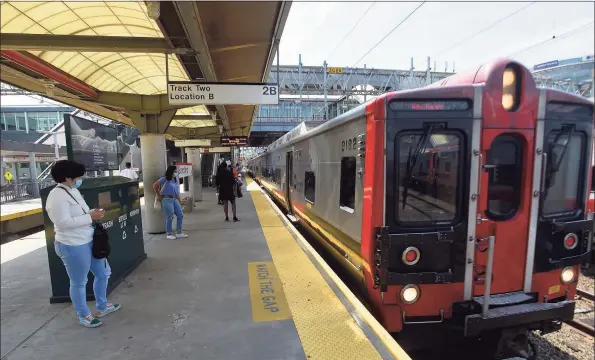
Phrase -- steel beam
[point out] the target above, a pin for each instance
(190, 19)
(89, 43)
(193, 117)
(146, 104)
(207, 132)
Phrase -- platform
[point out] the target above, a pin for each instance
(198, 298)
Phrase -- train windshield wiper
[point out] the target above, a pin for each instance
(412, 159)
(557, 157)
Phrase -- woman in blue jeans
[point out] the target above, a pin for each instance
(167, 189)
(72, 221)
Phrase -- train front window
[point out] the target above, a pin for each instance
(427, 177)
(563, 168)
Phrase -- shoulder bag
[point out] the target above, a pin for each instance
(101, 248)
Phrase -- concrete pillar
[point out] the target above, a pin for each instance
(196, 159)
(154, 161)
(33, 174)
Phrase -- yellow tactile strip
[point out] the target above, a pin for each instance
(325, 327)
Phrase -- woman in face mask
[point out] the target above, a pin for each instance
(73, 220)
(167, 189)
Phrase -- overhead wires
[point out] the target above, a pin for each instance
(567, 33)
(351, 30)
(484, 29)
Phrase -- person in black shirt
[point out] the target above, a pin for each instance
(226, 183)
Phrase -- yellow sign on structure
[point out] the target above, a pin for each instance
(266, 293)
(334, 70)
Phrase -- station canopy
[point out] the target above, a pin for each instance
(109, 58)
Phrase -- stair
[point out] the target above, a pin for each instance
(207, 168)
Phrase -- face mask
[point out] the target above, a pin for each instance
(77, 183)
(176, 174)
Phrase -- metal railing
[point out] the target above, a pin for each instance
(22, 190)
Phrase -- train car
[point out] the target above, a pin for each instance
(461, 204)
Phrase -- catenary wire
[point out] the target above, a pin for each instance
(351, 30)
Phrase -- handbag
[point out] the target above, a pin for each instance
(157, 203)
(100, 248)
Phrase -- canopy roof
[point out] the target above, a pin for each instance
(95, 49)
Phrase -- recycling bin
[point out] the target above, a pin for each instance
(119, 197)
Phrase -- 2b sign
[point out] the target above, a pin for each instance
(191, 93)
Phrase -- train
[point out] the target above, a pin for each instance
(462, 205)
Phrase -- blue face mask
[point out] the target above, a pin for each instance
(77, 183)
(176, 174)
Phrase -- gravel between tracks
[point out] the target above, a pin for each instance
(568, 343)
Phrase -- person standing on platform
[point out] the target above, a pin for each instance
(73, 221)
(128, 172)
(226, 183)
(167, 189)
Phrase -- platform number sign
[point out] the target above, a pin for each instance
(269, 90)
(349, 144)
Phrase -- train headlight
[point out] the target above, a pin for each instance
(410, 256)
(570, 241)
(410, 293)
(510, 88)
(568, 275)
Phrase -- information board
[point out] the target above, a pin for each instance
(234, 140)
(92, 144)
(192, 93)
(184, 169)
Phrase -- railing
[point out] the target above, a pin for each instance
(22, 190)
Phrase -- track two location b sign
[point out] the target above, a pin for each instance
(194, 93)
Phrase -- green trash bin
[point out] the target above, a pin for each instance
(119, 197)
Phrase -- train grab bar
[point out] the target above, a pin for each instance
(488, 276)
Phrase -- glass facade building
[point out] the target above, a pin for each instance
(31, 119)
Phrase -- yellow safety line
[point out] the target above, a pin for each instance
(325, 327)
(19, 214)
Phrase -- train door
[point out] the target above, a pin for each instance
(289, 180)
(502, 210)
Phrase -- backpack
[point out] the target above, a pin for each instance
(101, 248)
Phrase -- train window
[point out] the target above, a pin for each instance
(505, 158)
(277, 179)
(347, 190)
(427, 188)
(310, 186)
(562, 191)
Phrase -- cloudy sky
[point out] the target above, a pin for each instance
(467, 33)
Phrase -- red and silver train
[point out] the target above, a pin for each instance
(463, 203)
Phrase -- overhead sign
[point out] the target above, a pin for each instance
(546, 65)
(193, 93)
(334, 70)
(193, 142)
(216, 149)
(234, 140)
(184, 169)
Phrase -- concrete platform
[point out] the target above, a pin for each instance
(191, 299)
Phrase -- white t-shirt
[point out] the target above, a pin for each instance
(72, 222)
(129, 173)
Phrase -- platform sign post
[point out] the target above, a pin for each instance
(198, 93)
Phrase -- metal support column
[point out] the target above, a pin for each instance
(33, 174)
(411, 74)
(325, 90)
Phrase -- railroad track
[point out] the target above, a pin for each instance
(584, 325)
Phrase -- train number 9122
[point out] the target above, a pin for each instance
(348, 145)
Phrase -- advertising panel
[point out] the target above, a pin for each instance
(92, 144)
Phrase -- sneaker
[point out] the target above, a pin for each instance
(171, 237)
(108, 310)
(181, 236)
(235, 219)
(90, 322)
(226, 219)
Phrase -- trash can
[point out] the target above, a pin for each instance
(119, 197)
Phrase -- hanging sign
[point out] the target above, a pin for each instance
(234, 140)
(193, 93)
(184, 169)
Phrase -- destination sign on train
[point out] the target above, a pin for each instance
(234, 140)
(193, 93)
(448, 105)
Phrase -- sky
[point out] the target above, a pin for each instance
(444, 31)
